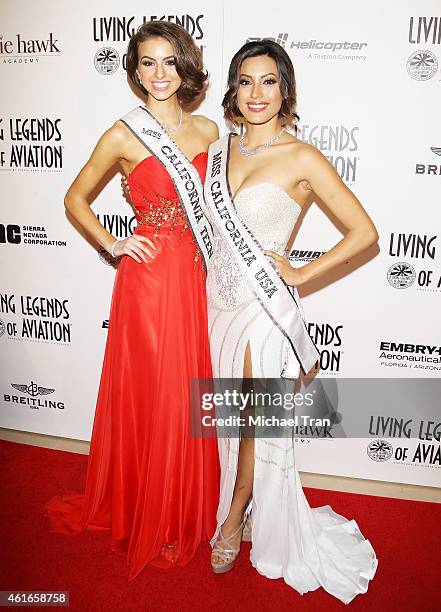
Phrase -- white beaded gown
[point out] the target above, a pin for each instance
(308, 547)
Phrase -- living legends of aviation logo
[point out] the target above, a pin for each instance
(421, 455)
(423, 31)
(424, 454)
(328, 339)
(36, 319)
(106, 60)
(115, 32)
(415, 246)
(379, 450)
(422, 65)
(338, 143)
(32, 144)
(402, 275)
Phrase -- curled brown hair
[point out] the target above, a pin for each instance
(287, 81)
(188, 57)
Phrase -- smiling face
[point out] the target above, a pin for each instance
(157, 68)
(259, 98)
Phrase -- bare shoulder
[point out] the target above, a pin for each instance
(115, 137)
(306, 153)
(117, 134)
(114, 141)
(206, 126)
(204, 122)
(309, 163)
(303, 155)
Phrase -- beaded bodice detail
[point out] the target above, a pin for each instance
(164, 212)
(270, 215)
(154, 198)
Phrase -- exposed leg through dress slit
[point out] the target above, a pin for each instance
(307, 547)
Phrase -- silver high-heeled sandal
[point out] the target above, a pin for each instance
(228, 555)
(247, 529)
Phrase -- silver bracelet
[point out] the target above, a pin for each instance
(112, 248)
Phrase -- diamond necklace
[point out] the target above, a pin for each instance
(265, 145)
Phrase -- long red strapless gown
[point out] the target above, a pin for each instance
(148, 481)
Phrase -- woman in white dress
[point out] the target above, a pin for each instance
(270, 176)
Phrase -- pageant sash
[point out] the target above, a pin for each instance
(275, 296)
(185, 177)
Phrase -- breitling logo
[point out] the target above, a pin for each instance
(31, 398)
(32, 389)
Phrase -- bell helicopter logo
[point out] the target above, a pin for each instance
(280, 39)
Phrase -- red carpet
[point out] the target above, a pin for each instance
(405, 535)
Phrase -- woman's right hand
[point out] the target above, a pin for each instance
(140, 248)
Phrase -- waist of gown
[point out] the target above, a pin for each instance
(227, 285)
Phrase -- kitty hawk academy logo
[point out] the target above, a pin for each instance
(106, 60)
(23, 50)
(379, 450)
(422, 65)
(401, 275)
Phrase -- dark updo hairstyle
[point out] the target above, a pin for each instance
(188, 57)
(287, 81)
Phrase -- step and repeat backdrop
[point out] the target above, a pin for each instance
(369, 82)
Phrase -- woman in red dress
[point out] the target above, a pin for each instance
(151, 484)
